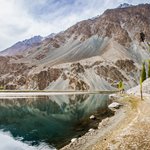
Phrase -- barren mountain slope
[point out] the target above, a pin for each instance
(93, 54)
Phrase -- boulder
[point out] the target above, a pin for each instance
(114, 105)
(92, 117)
(91, 130)
(73, 140)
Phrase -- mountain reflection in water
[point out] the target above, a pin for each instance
(53, 120)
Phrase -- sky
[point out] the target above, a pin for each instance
(23, 19)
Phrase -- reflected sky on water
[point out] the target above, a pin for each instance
(52, 120)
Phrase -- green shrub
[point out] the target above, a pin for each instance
(141, 88)
(149, 69)
(120, 85)
(1, 87)
(143, 73)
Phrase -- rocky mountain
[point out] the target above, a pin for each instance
(124, 5)
(21, 46)
(94, 54)
(50, 36)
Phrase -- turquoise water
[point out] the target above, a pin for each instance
(50, 120)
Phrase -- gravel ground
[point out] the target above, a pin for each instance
(128, 129)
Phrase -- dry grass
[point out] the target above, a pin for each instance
(132, 101)
(133, 133)
(129, 129)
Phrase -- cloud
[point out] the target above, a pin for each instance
(8, 142)
(21, 19)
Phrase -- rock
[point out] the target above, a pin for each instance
(94, 50)
(21, 81)
(92, 117)
(126, 65)
(77, 68)
(91, 130)
(40, 56)
(73, 140)
(110, 72)
(43, 78)
(76, 84)
(114, 105)
(103, 123)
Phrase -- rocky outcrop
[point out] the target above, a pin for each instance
(110, 72)
(15, 75)
(39, 56)
(8, 65)
(10, 87)
(75, 81)
(21, 81)
(44, 78)
(76, 84)
(126, 65)
(116, 23)
(77, 68)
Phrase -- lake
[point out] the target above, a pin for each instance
(48, 122)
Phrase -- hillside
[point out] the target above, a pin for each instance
(93, 54)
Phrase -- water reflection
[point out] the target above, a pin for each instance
(8, 143)
(51, 119)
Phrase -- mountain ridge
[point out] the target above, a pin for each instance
(124, 5)
(106, 50)
(21, 46)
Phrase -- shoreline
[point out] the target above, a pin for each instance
(87, 140)
(121, 131)
(15, 93)
(127, 129)
(111, 128)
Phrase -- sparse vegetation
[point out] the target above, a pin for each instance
(121, 86)
(1, 87)
(142, 78)
(141, 88)
(149, 69)
(143, 73)
(133, 101)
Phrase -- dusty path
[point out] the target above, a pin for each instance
(129, 129)
(132, 134)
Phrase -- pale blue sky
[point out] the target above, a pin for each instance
(21, 19)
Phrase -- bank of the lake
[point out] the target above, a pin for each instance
(127, 129)
(50, 119)
(21, 93)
